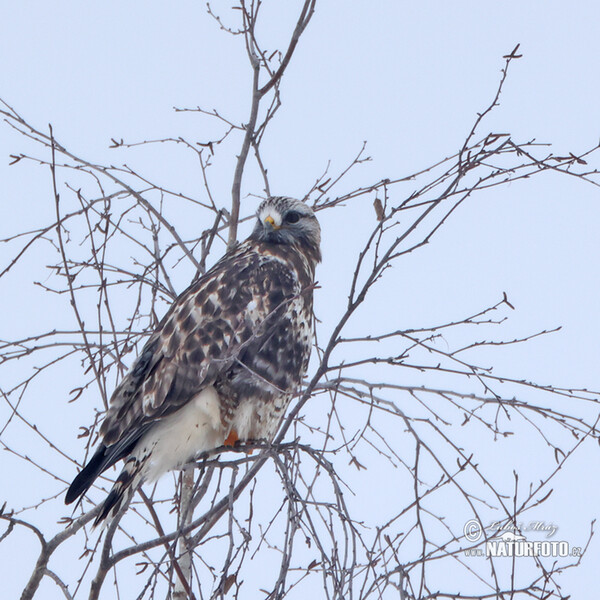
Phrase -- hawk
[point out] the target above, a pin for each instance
(222, 364)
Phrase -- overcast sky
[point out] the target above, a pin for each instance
(407, 77)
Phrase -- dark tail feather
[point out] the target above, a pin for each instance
(122, 491)
(82, 483)
(104, 458)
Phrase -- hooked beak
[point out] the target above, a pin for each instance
(271, 222)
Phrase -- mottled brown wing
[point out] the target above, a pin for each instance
(235, 306)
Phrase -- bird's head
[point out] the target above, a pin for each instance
(282, 220)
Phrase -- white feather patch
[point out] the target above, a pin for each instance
(177, 438)
(243, 420)
(270, 211)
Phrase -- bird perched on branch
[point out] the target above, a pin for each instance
(223, 363)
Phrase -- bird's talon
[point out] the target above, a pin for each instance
(231, 439)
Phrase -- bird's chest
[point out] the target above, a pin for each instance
(257, 388)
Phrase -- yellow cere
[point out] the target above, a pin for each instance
(271, 222)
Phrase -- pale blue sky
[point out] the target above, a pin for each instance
(408, 77)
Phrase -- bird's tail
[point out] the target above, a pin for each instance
(82, 483)
(122, 491)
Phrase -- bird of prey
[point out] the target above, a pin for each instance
(223, 363)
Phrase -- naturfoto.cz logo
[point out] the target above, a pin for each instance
(511, 544)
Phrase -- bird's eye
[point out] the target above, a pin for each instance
(292, 217)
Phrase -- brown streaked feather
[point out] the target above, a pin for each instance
(208, 329)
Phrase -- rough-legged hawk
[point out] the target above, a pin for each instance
(224, 361)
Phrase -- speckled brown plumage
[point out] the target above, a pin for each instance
(239, 338)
